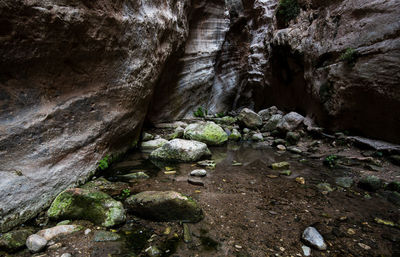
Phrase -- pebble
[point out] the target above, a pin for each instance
(364, 246)
(281, 147)
(300, 180)
(306, 250)
(87, 231)
(285, 172)
(66, 255)
(294, 150)
(35, 243)
(238, 247)
(351, 231)
(196, 181)
(187, 237)
(198, 173)
(280, 166)
(312, 237)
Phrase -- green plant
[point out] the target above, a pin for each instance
(200, 112)
(220, 114)
(349, 56)
(125, 193)
(330, 161)
(104, 163)
(287, 10)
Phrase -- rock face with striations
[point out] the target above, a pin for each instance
(76, 79)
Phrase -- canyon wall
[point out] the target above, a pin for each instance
(76, 78)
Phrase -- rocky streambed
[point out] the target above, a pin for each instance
(266, 184)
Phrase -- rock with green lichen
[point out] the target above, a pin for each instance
(280, 166)
(370, 183)
(105, 236)
(164, 206)
(59, 230)
(325, 187)
(206, 132)
(152, 144)
(95, 206)
(180, 150)
(249, 119)
(235, 135)
(134, 176)
(14, 240)
(272, 123)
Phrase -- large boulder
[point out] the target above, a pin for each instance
(181, 150)
(164, 206)
(96, 206)
(290, 121)
(206, 132)
(77, 79)
(249, 118)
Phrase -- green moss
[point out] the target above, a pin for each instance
(330, 161)
(14, 240)
(350, 56)
(200, 112)
(287, 10)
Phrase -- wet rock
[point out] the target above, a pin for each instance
(267, 113)
(345, 182)
(198, 173)
(147, 137)
(153, 251)
(313, 238)
(235, 135)
(325, 187)
(134, 176)
(14, 240)
(294, 149)
(272, 123)
(300, 180)
(36, 243)
(364, 246)
(393, 186)
(196, 181)
(290, 121)
(105, 236)
(370, 183)
(279, 141)
(178, 133)
(152, 144)
(187, 235)
(64, 222)
(257, 137)
(207, 163)
(66, 255)
(206, 132)
(164, 206)
(56, 231)
(292, 137)
(171, 125)
(306, 250)
(249, 118)
(180, 150)
(108, 187)
(96, 206)
(246, 130)
(280, 166)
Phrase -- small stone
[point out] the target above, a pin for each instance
(300, 180)
(198, 173)
(54, 246)
(87, 231)
(272, 176)
(351, 231)
(207, 163)
(196, 181)
(249, 118)
(306, 250)
(180, 150)
(134, 176)
(345, 182)
(56, 231)
(370, 183)
(187, 237)
(280, 166)
(151, 145)
(292, 137)
(281, 147)
(279, 141)
(364, 246)
(312, 237)
(66, 255)
(64, 222)
(325, 187)
(235, 135)
(294, 149)
(35, 243)
(290, 121)
(147, 137)
(14, 240)
(257, 137)
(153, 251)
(238, 247)
(285, 172)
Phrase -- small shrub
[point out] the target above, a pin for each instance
(330, 161)
(200, 112)
(103, 163)
(349, 56)
(287, 10)
(124, 194)
(220, 115)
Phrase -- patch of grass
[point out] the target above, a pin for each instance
(349, 56)
(200, 112)
(287, 10)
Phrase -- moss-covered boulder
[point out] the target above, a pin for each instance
(370, 183)
(95, 206)
(235, 135)
(181, 150)
(206, 132)
(164, 206)
(14, 240)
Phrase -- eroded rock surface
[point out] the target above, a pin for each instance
(76, 79)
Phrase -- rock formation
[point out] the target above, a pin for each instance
(76, 79)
